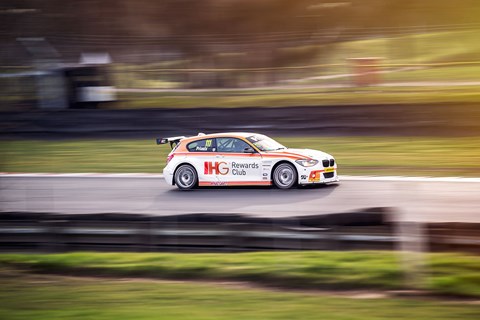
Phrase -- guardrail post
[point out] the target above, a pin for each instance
(412, 245)
(54, 238)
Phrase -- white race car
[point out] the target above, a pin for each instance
(241, 159)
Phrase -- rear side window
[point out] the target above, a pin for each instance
(231, 145)
(205, 145)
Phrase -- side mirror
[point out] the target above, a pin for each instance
(248, 150)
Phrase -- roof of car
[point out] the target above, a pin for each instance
(222, 134)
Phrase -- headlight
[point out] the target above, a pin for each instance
(306, 163)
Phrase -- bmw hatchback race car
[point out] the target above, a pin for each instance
(240, 159)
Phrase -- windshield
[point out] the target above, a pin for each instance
(265, 143)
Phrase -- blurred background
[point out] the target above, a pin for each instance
(390, 88)
(242, 53)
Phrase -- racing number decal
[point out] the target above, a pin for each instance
(215, 168)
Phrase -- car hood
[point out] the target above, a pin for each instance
(315, 154)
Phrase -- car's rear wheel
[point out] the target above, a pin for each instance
(284, 176)
(185, 177)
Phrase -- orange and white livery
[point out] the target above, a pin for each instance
(241, 159)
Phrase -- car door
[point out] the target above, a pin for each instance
(236, 164)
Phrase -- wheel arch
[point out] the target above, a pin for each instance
(279, 163)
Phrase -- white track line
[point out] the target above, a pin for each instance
(409, 179)
(159, 176)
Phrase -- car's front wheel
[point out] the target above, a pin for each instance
(185, 177)
(284, 176)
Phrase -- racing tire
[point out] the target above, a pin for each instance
(285, 176)
(185, 177)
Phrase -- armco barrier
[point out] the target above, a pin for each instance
(412, 119)
(366, 229)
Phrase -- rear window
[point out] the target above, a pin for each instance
(205, 145)
(176, 146)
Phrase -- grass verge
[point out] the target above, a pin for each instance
(445, 273)
(28, 296)
(285, 97)
(355, 155)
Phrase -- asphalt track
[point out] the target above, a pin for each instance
(414, 199)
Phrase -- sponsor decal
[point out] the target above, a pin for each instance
(315, 176)
(222, 168)
(215, 168)
(219, 183)
(244, 168)
(303, 177)
(245, 165)
(208, 144)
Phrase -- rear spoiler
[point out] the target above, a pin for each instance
(172, 140)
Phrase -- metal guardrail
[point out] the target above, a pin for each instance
(418, 119)
(368, 229)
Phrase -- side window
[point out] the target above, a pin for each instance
(231, 145)
(206, 145)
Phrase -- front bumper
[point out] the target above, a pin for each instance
(318, 175)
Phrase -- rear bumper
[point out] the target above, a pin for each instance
(168, 176)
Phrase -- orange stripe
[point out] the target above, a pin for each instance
(282, 156)
(234, 183)
(287, 153)
(243, 155)
(211, 154)
(250, 183)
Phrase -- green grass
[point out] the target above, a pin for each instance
(437, 74)
(27, 296)
(445, 273)
(432, 47)
(355, 155)
(392, 155)
(284, 97)
(426, 75)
